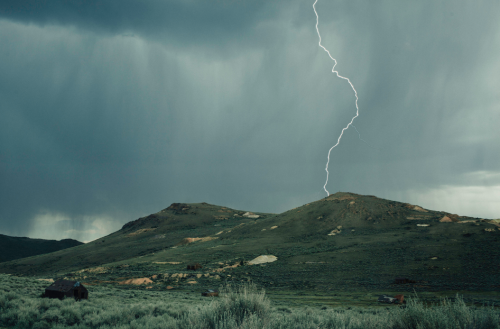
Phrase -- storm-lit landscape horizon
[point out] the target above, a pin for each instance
(257, 164)
(111, 111)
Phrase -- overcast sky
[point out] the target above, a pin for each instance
(111, 110)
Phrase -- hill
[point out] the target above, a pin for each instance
(12, 248)
(344, 241)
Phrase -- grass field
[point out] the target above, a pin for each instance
(239, 306)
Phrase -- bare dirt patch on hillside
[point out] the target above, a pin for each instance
(142, 230)
(137, 281)
(95, 270)
(191, 240)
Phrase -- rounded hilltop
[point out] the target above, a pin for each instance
(341, 240)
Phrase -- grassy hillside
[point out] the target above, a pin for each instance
(16, 247)
(156, 232)
(343, 242)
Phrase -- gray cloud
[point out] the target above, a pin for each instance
(212, 24)
(115, 111)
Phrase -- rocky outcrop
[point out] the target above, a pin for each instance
(179, 208)
(263, 259)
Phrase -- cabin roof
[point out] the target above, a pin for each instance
(63, 285)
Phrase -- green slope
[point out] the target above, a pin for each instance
(153, 233)
(373, 242)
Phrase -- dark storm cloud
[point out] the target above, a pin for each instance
(114, 110)
(211, 23)
(75, 132)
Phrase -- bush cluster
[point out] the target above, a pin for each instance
(237, 307)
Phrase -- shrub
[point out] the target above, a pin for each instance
(237, 307)
(448, 315)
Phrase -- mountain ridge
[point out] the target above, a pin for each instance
(12, 247)
(342, 241)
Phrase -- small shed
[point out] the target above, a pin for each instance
(66, 288)
(210, 293)
(194, 267)
(387, 299)
(400, 298)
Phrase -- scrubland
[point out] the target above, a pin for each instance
(239, 306)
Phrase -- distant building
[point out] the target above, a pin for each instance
(210, 293)
(194, 267)
(400, 298)
(387, 299)
(66, 288)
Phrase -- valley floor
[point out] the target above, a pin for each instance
(239, 306)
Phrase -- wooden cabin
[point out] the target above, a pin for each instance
(66, 288)
(194, 267)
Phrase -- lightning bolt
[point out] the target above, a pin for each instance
(352, 86)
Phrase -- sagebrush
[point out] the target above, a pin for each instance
(239, 306)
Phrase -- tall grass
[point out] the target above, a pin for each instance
(237, 307)
(447, 315)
